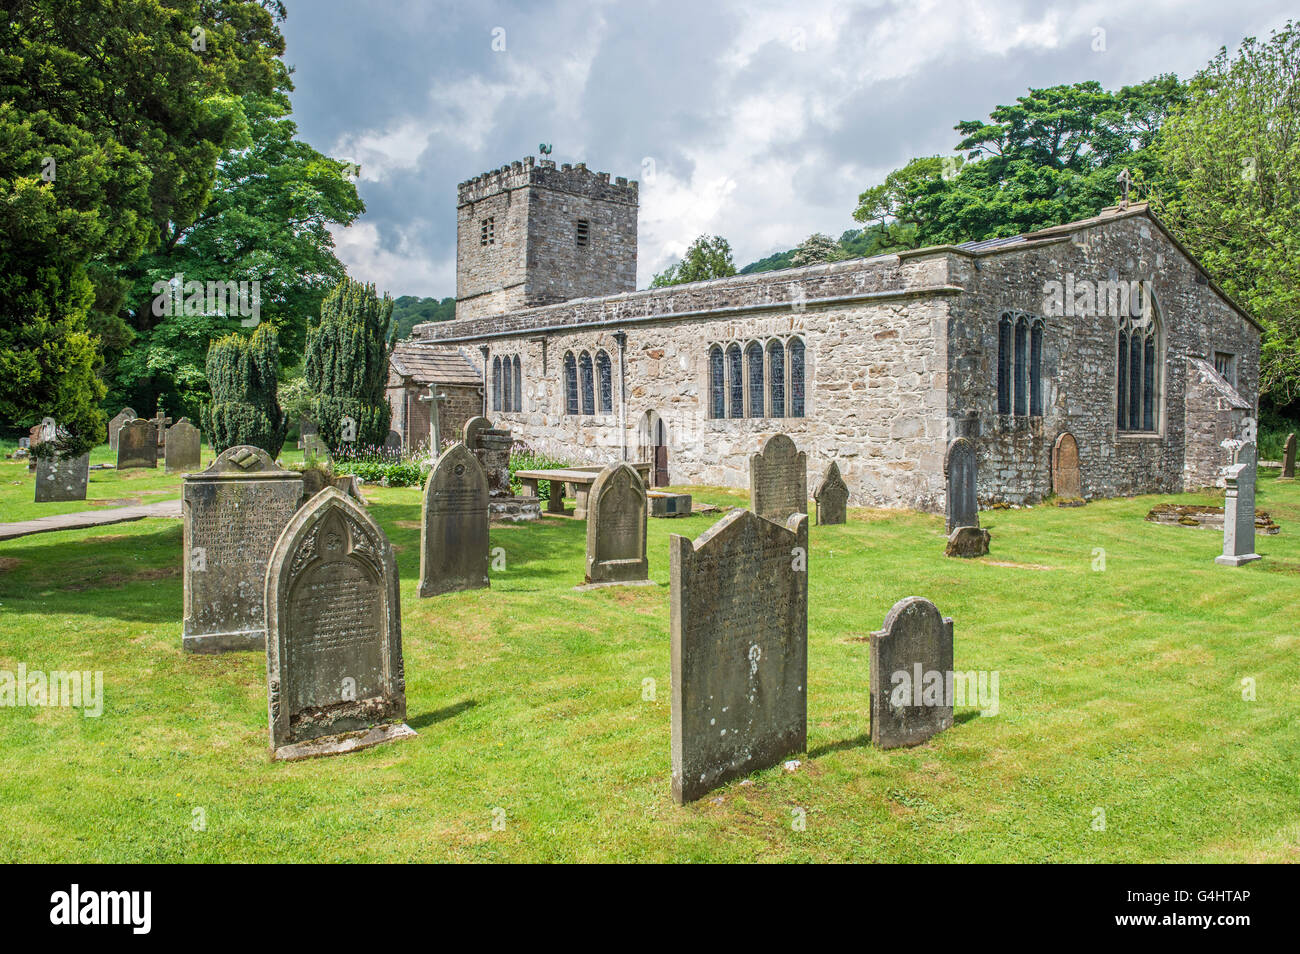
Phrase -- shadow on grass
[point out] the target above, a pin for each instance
(441, 715)
(858, 742)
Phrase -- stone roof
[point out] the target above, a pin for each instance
(1209, 376)
(427, 363)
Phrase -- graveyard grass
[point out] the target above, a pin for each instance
(1120, 690)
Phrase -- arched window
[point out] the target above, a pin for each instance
(796, 377)
(1022, 365)
(1004, 364)
(717, 392)
(588, 388)
(496, 383)
(605, 377)
(776, 376)
(519, 386)
(1036, 368)
(754, 358)
(507, 391)
(570, 384)
(735, 382)
(1138, 371)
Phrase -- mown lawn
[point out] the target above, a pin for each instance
(1120, 689)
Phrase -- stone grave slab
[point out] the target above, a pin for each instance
(1067, 477)
(181, 452)
(58, 480)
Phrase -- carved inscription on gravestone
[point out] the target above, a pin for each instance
(335, 675)
(234, 511)
(739, 649)
(137, 445)
(778, 479)
(454, 528)
(616, 527)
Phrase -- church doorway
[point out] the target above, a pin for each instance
(652, 436)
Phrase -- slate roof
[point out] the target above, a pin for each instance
(428, 363)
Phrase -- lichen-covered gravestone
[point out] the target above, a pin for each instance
(137, 445)
(234, 512)
(454, 525)
(739, 649)
(832, 496)
(181, 451)
(616, 527)
(115, 425)
(959, 470)
(334, 671)
(1067, 478)
(1288, 458)
(911, 670)
(58, 479)
(1239, 511)
(778, 479)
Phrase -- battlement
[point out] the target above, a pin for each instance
(574, 179)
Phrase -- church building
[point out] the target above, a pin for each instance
(1104, 329)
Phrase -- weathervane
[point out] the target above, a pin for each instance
(544, 148)
(1125, 181)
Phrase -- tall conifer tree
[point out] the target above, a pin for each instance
(245, 407)
(346, 364)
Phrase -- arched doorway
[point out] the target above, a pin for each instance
(652, 441)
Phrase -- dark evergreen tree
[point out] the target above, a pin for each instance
(245, 407)
(346, 364)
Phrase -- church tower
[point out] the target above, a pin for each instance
(533, 234)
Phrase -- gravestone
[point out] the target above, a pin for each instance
(161, 422)
(137, 445)
(335, 677)
(313, 446)
(832, 496)
(616, 527)
(47, 430)
(115, 425)
(493, 452)
(234, 512)
(182, 449)
(470, 432)
(959, 470)
(1239, 511)
(306, 428)
(62, 479)
(911, 670)
(778, 479)
(967, 542)
(1067, 479)
(1288, 458)
(454, 525)
(739, 649)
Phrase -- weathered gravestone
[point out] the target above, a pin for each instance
(616, 527)
(58, 479)
(335, 677)
(47, 430)
(137, 445)
(181, 451)
(832, 496)
(1288, 458)
(739, 649)
(123, 416)
(967, 542)
(959, 470)
(778, 479)
(911, 674)
(454, 525)
(470, 432)
(161, 422)
(1067, 478)
(234, 512)
(1239, 511)
(306, 428)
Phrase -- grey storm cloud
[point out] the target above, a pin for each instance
(758, 122)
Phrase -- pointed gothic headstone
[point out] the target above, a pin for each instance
(832, 496)
(778, 479)
(335, 676)
(616, 527)
(454, 525)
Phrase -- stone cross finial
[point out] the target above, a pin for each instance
(435, 426)
(1125, 180)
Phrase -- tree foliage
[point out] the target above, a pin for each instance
(346, 363)
(709, 256)
(817, 248)
(1235, 151)
(242, 372)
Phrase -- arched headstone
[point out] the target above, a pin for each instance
(454, 525)
(616, 527)
(181, 452)
(959, 471)
(1067, 478)
(778, 479)
(471, 430)
(911, 669)
(137, 445)
(335, 675)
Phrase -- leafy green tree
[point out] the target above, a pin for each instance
(817, 248)
(1235, 152)
(346, 364)
(709, 256)
(242, 371)
(409, 311)
(267, 221)
(111, 121)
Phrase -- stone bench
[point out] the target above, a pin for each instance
(579, 479)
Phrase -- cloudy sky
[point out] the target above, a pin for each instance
(760, 122)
